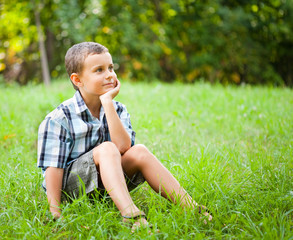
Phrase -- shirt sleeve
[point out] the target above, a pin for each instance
(53, 144)
(125, 119)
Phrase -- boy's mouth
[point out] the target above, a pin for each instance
(109, 84)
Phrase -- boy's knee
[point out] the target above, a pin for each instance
(106, 150)
(140, 153)
(140, 148)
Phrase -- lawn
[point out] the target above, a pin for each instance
(230, 147)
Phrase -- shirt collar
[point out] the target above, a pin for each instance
(80, 105)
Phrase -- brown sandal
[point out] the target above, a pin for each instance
(135, 218)
(202, 210)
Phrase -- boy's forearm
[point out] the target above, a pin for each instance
(54, 179)
(118, 134)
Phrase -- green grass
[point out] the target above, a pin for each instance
(231, 148)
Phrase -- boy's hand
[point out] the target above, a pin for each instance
(110, 95)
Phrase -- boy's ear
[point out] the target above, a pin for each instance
(76, 80)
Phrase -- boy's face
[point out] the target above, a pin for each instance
(97, 76)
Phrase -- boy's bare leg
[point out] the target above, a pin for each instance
(108, 159)
(139, 158)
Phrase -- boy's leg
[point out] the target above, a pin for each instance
(139, 158)
(108, 160)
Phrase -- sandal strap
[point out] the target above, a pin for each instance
(200, 208)
(135, 215)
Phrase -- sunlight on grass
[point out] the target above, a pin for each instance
(231, 148)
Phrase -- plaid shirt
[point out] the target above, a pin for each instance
(70, 131)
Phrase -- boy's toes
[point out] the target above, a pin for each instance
(205, 212)
(142, 223)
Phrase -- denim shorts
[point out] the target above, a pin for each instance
(82, 176)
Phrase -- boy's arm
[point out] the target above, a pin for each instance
(54, 178)
(118, 134)
(54, 145)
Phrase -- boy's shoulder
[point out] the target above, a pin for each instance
(61, 112)
(119, 106)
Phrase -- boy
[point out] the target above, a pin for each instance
(90, 137)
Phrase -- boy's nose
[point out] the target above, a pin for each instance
(110, 74)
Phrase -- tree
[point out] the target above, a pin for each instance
(186, 40)
(44, 60)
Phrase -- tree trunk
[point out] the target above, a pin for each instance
(44, 59)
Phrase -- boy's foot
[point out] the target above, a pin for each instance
(204, 211)
(136, 220)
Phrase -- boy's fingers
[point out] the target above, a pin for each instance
(118, 83)
(113, 92)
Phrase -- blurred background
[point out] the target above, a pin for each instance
(218, 41)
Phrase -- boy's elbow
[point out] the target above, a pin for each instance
(124, 148)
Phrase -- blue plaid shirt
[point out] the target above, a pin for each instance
(70, 131)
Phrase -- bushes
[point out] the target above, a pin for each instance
(219, 41)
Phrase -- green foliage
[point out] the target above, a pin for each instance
(186, 40)
(17, 38)
(231, 148)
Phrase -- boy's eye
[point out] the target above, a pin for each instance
(99, 70)
(111, 68)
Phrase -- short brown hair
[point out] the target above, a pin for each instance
(76, 55)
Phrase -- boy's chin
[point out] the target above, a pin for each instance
(108, 90)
